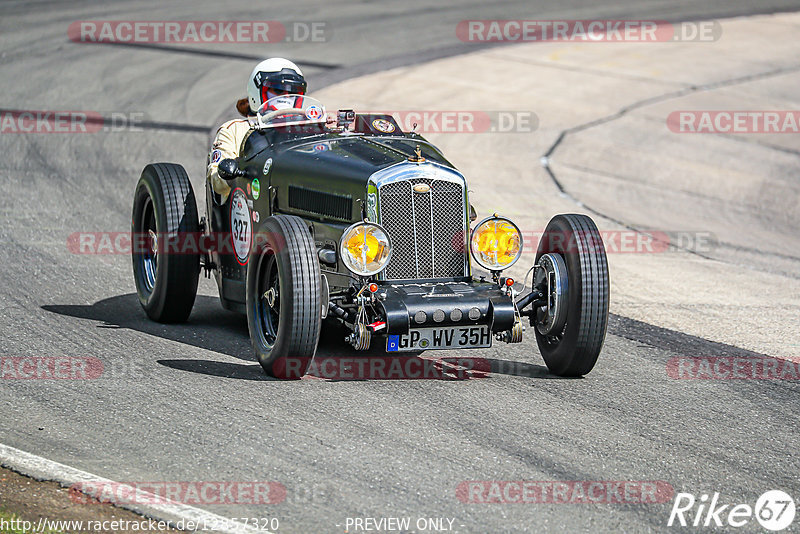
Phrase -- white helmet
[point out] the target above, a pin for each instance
(279, 76)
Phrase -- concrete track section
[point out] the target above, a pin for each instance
(188, 405)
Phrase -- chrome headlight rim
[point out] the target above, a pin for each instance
(476, 257)
(343, 254)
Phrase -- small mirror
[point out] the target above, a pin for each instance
(228, 169)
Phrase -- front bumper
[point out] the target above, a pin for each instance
(418, 305)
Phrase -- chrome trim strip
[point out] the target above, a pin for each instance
(407, 170)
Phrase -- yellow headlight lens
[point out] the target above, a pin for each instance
(363, 245)
(365, 249)
(496, 244)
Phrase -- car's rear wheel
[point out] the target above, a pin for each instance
(573, 277)
(283, 297)
(164, 218)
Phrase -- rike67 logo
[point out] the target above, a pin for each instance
(774, 511)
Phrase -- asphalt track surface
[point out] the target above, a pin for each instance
(189, 403)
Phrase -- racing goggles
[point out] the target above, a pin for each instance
(281, 83)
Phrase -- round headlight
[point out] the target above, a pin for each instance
(496, 243)
(365, 248)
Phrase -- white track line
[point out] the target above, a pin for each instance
(43, 469)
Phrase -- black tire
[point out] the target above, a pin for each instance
(575, 351)
(285, 334)
(164, 202)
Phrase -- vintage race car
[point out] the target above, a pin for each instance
(347, 219)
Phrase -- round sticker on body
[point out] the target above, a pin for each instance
(267, 166)
(313, 112)
(382, 125)
(241, 229)
(256, 189)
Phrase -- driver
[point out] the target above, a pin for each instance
(273, 77)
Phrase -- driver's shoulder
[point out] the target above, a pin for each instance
(234, 126)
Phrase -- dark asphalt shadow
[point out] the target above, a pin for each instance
(529, 370)
(213, 328)
(238, 371)
(672, 340)
(371, 367)
(210, 326)
(362, 367)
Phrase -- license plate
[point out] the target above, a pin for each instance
(456, 337)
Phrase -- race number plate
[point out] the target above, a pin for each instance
(456, 337)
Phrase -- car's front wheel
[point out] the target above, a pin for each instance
(283, 297)
(572, 276)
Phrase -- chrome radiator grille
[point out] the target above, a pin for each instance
(427, 229)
